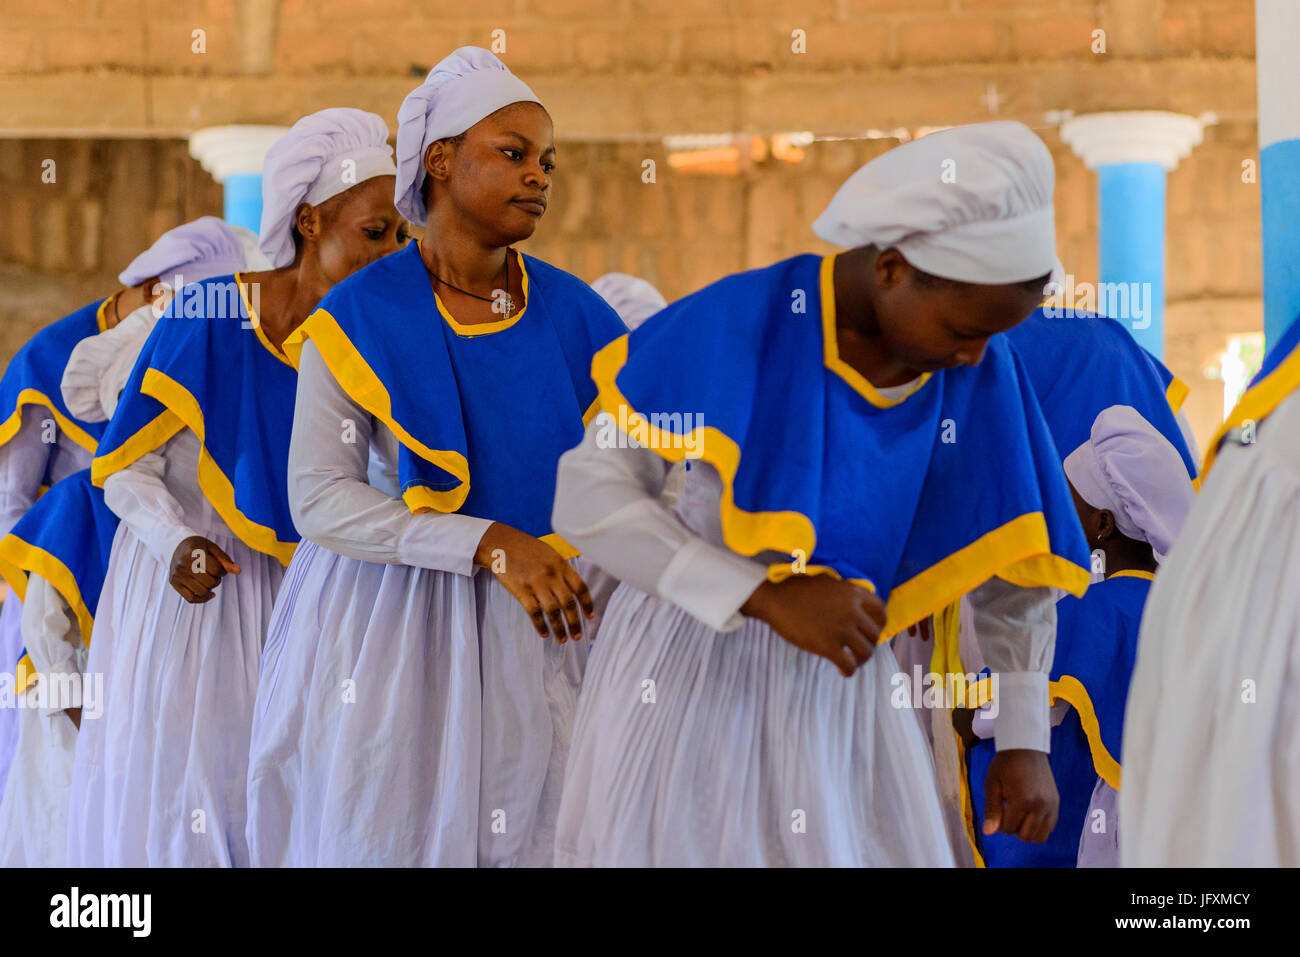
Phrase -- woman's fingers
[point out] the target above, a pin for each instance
(551, 602)
(224, 561)
(579, 589)
(873, 608)
(858, 643)
(534, 608)
(569, 603)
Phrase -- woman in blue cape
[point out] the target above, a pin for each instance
(1132, 493)
(423, 662)
(865, 451)
(56, 555)
(46, 438)
(1219, 636)
(193, 462)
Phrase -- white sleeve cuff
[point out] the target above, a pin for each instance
(443, 542)
(1022, 720)
(710, 583)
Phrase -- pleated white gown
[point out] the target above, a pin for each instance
(408, 715)
(159, 779)
(699, 747)
(1211, 751)
(25, 461)
(34, 811)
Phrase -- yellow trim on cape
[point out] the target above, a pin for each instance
(183, 411)
(10, 427)
(16, 554)
(1256, 404)
(831, 350)
(1177, 393)
(781, 571)
(482, 328)
(24, 674)
(1019, 551)
(967, 801)
(747, 533)
(257, 324)
(1071, 690)
(363, 386)
(1132, 573)
(101, 314)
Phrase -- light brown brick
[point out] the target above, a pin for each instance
(94, 44)
(598, 49)
(935, 40)
(780, 12)
(895, 8)
(1179, 32)
(1066, 36)
(387, 47)
(327, 50)
(21, 50)
(170, 47)
(554, 10)
(542, 47)
(1229, 29)
(835, 46)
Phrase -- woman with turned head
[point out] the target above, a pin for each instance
(193, 463)
(868, 452)
(424, 658)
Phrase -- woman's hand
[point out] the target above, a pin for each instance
(539, 579)
(838, 620)
(1020, 795)
(198, 565)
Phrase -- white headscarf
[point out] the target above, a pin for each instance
(322, 155)
(972, 204)
(1132, 471)
(461, 90)
(99, 365)
(634, 299)
(193, 251)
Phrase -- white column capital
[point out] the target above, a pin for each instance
(229, 150)
(1132, 136)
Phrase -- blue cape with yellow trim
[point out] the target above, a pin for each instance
(1096, 648)
(922, 499)
(1082, 364)
(201, 369)
(1278, 377)
(35, 375)
(65, 538)
(483, 412)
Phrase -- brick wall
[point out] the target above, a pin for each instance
(617, 75)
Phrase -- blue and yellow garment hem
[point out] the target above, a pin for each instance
(183, 411)
(18, 559)
(1018, 551)
(30, 396)
(356, 377)
(1257, 402)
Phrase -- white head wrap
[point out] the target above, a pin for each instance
(634, 299)
(99, 365)
(461, 90)
(1132, 471)
(322, 155)
(196, 250)
(972, 204)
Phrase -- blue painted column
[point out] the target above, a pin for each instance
(1132, 154)
(1131, 246)
(1277, 66)
(234, 156)
(243, 200)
